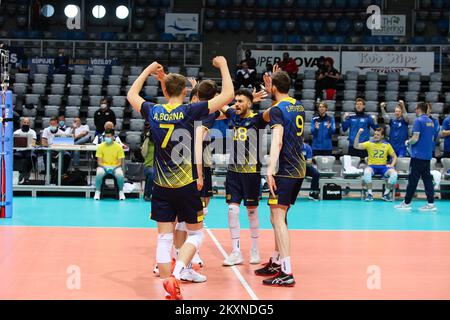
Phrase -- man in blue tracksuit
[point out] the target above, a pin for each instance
(311, 172)
(421, 154)
(446, 135)
(322, 130)
(355, 122)
(436, 127)
(398, 128)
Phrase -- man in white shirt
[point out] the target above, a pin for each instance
(81, 135)
(23, 160)
(48, 135)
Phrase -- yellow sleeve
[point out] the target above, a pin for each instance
(121, 152)
(99, 152)
(366, 145)
(390, 151)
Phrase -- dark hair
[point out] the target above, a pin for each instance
(360, 99)
(381, 130)
(423, 106)
(207, 89)
(104, 99)
(281, 81)
(54, 119)
(194, 91)
(246, 93)
(109, 131)
(175, 84)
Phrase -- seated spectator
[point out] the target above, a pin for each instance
(48, 135)
(355, 122)
(446, 135)
(23, 160)
(437, 128)
(22, 65)
(251, 62)
(378, 151)
(245, 77)
(103, 115)
(147, 150)
(81, 135)
(327, 79)
(62, 123)
(398, 127)
(322, 130)
(99, 138)
(110, 159)
(61, 62)
(289, 65)
(311, 172)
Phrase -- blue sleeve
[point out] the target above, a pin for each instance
(446, 124)
(276, 116)
(308, 152)
(437, 128)
(332, 129)
(372, 123)
(346, 124)
(313, 127)
(230, 112)
(208, 121)
(417, 126)
(146, 107)
(199, 110)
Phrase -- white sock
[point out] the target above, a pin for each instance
(386, 191)
(369, 191)
(179, 266)
(205, 211)
(254, 226)
(276, 257)
(233, 223)
(286, 265)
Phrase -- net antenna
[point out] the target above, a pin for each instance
(4, 69)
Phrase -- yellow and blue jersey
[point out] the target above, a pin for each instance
(290, 114)
(207, 123)
(172, 129)
(245, 157)
(378, 152)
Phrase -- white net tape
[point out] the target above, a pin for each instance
(4, 69)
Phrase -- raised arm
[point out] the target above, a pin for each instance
(356, 143)
(161, 76)
(227, 93)
(384, 114)
(133, 96)
(404, 112)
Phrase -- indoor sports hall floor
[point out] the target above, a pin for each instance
(340, 250)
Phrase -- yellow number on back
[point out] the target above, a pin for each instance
(170, 128)
(300, 124)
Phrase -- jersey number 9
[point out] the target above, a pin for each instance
(300, 125)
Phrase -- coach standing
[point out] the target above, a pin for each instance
(421, 144)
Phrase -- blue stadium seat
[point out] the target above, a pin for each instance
(278, 38)
(208, 25)
(439, 40)
(160, 25)
(166, 37)
(235, 25)
(249, 25)
(418, 40)
(222, 25)
(164, 3)
(223, 3)
(79, 35)
(276, 26)
(420, 26)
(293, 38)
(108, 36)
(317, 26)
(289, 26)
(154, 3)
(35, 35)
(324, 39)
(438, 4)
(304, 26)
(262, 26)
(353, 4)
(275, 3)
(344, 26)
(443, 26)
(302, 3)
(338, 39)
(195, 37)
(314, 4)
(19, 34)
(341, 4)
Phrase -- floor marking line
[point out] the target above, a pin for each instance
(234, 268)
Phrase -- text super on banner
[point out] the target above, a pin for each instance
(304, 59)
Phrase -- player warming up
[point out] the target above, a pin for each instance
(175, 194)
(378, 151)
(287, 118)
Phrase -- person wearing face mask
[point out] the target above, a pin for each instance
(23, 160)
(103, 115)
(356, 121)
(110, 159)
(322, 130)
(48, 135)
(81, 135)
(62, 123)
(99, 138)
(61, 62)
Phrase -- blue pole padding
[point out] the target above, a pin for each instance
(6, 149)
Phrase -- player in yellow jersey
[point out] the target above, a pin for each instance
(378, 151)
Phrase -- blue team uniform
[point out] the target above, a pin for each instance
(398, 136)
(322, 137)
(355, 122)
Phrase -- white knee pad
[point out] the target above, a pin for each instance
(164, 248)
(233, 216)
(393, 178)
(195, 238)
(367, 178)
(181, 226)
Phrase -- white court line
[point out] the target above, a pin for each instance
(234, 268)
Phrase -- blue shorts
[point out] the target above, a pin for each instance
(379, 170)
(207, 190)
(286, 192)
(243, 186)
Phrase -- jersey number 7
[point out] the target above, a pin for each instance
(170, 128)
